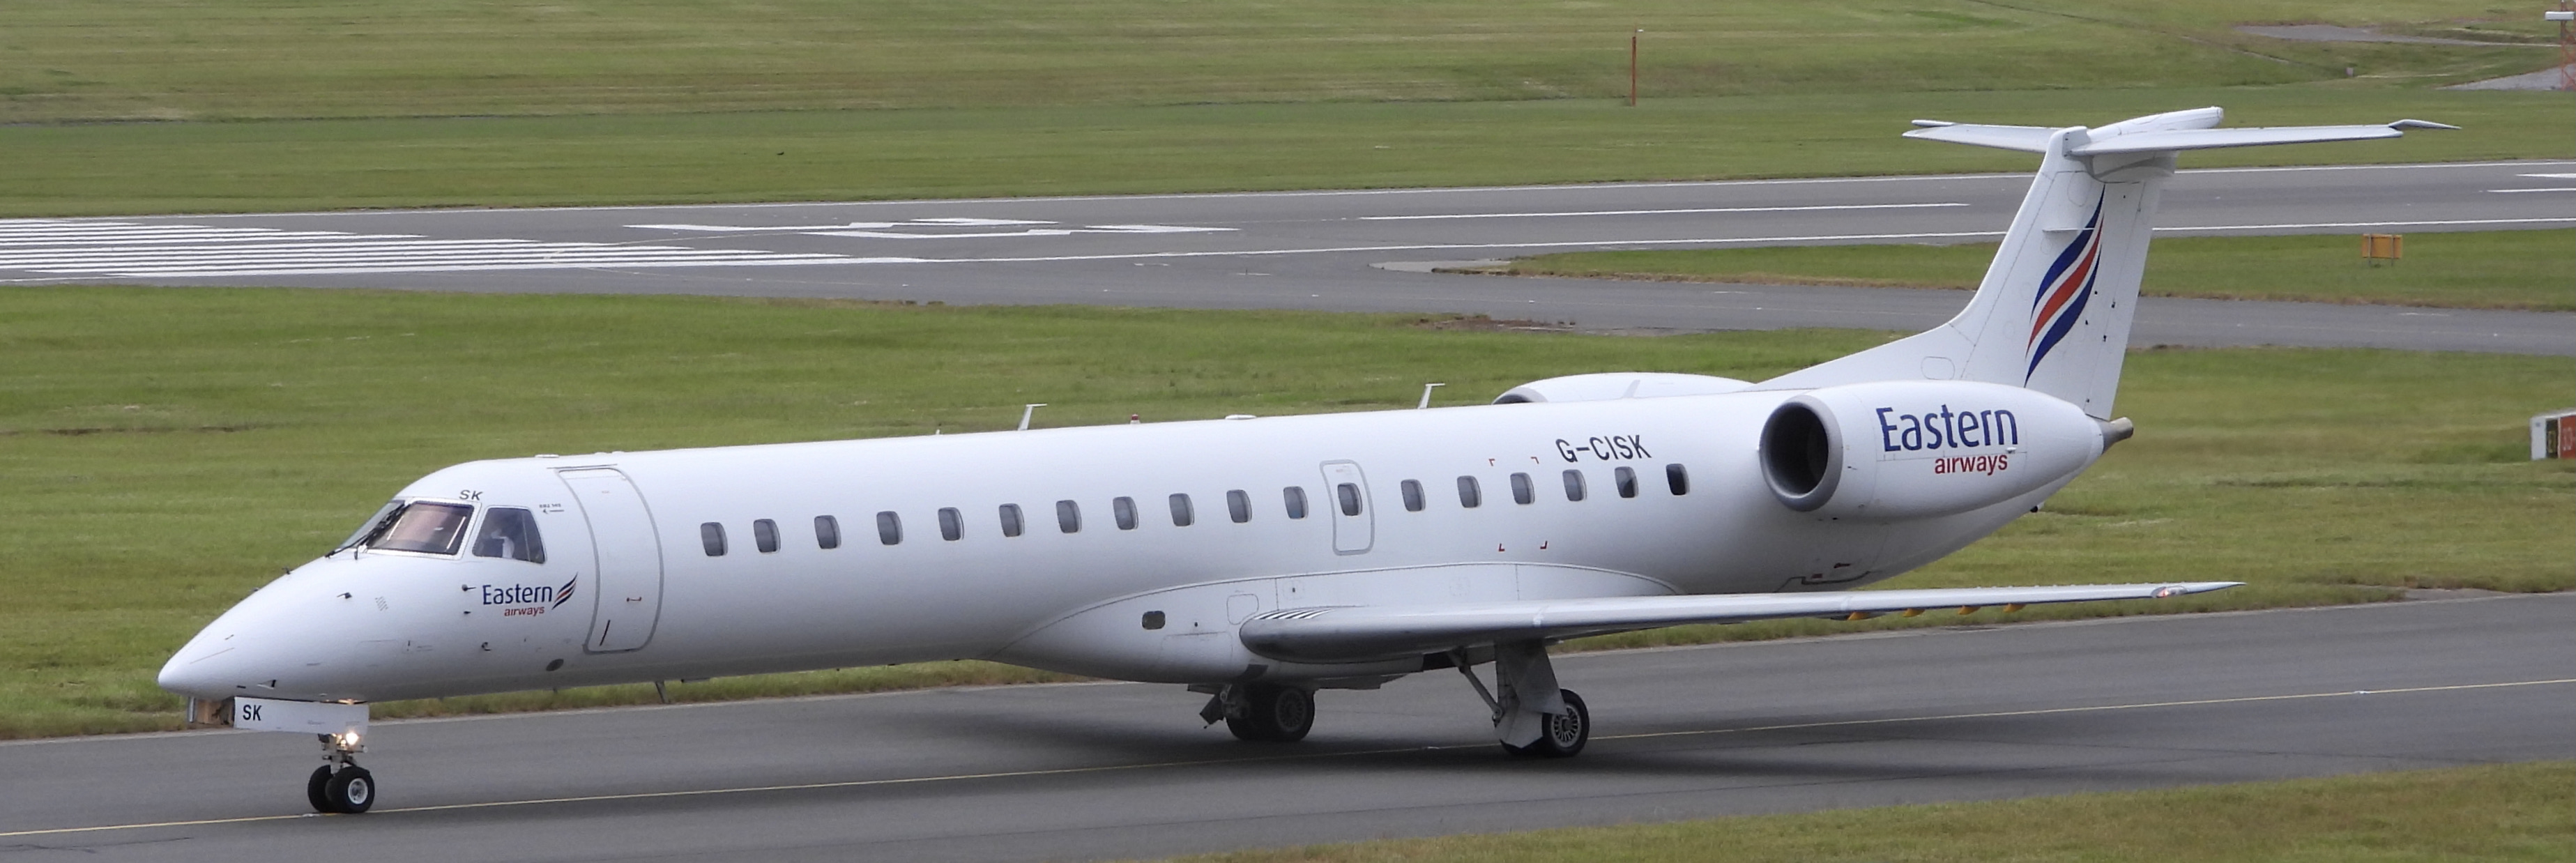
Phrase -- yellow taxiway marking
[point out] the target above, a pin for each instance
(1064, 771)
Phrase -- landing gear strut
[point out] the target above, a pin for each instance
(1263, 712)
(340, 786)
(1532, 717)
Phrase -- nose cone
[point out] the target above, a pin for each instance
(198, 670)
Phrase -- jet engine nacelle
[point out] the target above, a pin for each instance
(1915, 449)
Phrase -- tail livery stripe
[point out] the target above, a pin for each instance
(2063, 292)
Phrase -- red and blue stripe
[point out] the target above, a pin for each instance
(2059, 304)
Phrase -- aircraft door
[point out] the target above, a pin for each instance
(628, 595)
(1346, 497)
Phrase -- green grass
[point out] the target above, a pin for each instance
(177, 59)
(2532, 270)
(320, 105)
(2494, 812)
(107, 169)
(168, 450)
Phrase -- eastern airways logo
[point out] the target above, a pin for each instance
(532, 599)
(2059, 304)
(1949, 429)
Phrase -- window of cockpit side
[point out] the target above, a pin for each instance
(425, 527)
(509, 532)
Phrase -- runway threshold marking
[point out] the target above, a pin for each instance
(1113, 768)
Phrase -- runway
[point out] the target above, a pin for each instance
(1095, 771)
(1362, 250)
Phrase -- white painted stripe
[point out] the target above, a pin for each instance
(328, 271)
(1659, 212)
(2511, 191)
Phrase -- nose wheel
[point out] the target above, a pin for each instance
(346, 791)
(340, 787)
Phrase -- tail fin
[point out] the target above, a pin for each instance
(2054, 309)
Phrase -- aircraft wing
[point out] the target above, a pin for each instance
(1364, 633)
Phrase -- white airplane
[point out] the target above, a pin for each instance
(1258, 560)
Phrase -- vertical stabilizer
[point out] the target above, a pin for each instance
(2054, 309)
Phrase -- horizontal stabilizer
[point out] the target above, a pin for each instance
(2210, 139)
(1363, 633)
(2028, 139)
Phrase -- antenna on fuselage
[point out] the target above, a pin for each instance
(1027, 411)
(1426, 395)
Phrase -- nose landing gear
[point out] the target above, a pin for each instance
(340, 787)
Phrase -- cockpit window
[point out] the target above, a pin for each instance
(509, 532)
(433, 528)
(367, 530)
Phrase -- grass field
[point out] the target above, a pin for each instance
(108, 169)
(2532, 270)
(2497, 812)
(445, 103)
(171, 449)
(183, 60)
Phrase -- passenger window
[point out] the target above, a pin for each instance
(1296, 497)
(1678, 478)
(1238, 506)
(509, 532)
(1181, 514)
(952, 524)
(1626, 479)
(827, 532)
(1068, 516)
(764, 534)
(711, 534)
(1412, 495)
(1010, 519)
(431, 528)
(1350, 497)
(1471, 494)
(1123, 510)
(889, 527)
(1573, 485)
(1522, 492)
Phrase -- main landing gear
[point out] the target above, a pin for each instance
(1263, 712)
(340, 787)
(1532, 716)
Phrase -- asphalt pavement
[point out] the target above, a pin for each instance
(1100, 771)
(1363, 250)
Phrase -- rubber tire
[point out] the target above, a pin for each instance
(352, 790)
(1567, 733)
(1274, 714)
(315, 790)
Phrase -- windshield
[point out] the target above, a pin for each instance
(433, 528)
(369, 527)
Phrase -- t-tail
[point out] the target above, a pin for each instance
(2053, 312)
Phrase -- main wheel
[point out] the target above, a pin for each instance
(1274, 714)
(351, 791)
(1566, 732)
(315, 790)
